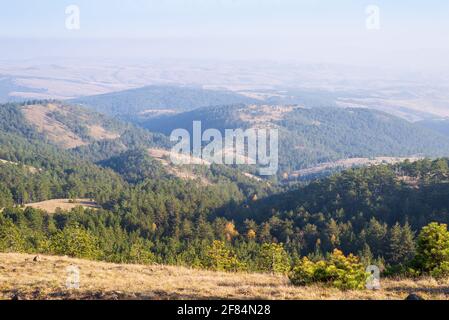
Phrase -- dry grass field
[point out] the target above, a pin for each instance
(58, 132)
(23, 278)
(50, 206)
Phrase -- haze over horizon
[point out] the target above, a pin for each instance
(409, 37)
(376, 54)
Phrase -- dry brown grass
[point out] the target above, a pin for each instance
(50, 206)
(185, 169)
(21, 277)
(99, 133)
(183, 172)
(58, 132)
(265, 114)
(55, 131)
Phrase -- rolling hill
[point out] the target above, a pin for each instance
(311, 136)
(88, 134)
(156, 100)
(77, 134)
(136, 211)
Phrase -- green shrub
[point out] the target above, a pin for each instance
(11, 240)
(74, 241)
(432, 253)
(346, 273)
(140, 252)
(221, 258)
(273, 258)
(304, 273)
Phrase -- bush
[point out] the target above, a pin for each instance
(220, 258)
(75, 241)
(140, 252)
(432, 253)
(273, 258)
(346, 273)
(11, 240)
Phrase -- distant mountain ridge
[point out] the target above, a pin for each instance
(159, 98)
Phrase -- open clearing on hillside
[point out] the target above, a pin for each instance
(59, 133)
(350, 163)
(56, 132)
(183, 172)
(50, 206)
(165, 157)
(264, 114)
(99, 133)
(23, 278)
(30, 168)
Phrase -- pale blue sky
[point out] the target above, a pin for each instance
(283, 29)
(149, 18)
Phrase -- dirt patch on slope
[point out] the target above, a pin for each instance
(99, 133)
(43, 118)
(50, 206)
(54, 130)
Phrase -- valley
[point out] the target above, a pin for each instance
(316, 137)
(105, 196)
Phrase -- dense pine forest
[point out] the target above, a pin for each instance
(232, 222)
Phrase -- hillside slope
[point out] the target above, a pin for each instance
(159, 99)
(310, 136)
(22, 278)
(439, 125)
(82, 132)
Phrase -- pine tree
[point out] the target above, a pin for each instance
(401, 244)
(5, 197)
(432, 253)
(376, 237)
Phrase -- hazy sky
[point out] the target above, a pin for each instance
(412, 32)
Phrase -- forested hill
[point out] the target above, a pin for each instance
(53, 135)
(357, 209)
(439, 125)
(309, 136)
(129, 185)
(146, 214)
(159, 98)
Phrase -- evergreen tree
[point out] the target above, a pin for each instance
(401, 245)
